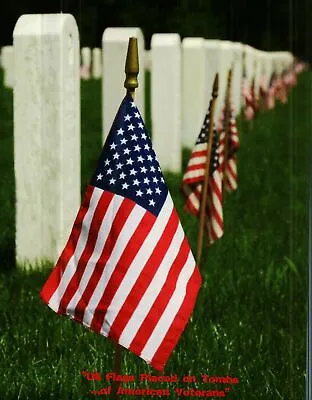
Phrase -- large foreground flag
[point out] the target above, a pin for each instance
(127, 271)
(193, 180)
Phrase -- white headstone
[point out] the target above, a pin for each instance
(147, 60)
(166, 100)
(85, 63)
(237, 76)
(96, 63)
(249, 63)
(226, 63)
(7, 63)
(213, 60)
(258, 70)
(114, 51)
(46, 134)
(195, 89)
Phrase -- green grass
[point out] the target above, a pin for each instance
(250, 317)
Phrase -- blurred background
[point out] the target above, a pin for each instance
(267, 25)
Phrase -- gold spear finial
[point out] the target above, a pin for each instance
(215, 88)
(132, 66)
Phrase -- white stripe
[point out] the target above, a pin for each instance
(200, 147)
(171, 310)
(153, 289)
(71, 266)
(197, 160)
(124, 236)
(137, 264)
(100, 242)
(194, 174)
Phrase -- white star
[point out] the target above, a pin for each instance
(152, 202)
(113, 146)
(162, 179)
(133, 171)
(107, 162)
(122, 176)
(116, 156)
(143, 136)
(147, 181)
(140, 125)
(149, 191)
(126, 151)
(134, 137)
(132, 104)
(109, 171)
(152, 169)
(140, 159)
(119, 166)
(137, 148)
(157, 190)
(125, 186)
(150, 158)
(155, 179)
(137, 115)
(143, 169)
(139, 193)
(130, 127)
(112, 181)
(129, 161)
(146, 147)
(99, 177)
(120, 131)
(159, 169)
(123, 141)
(136, 182)
(128, 117)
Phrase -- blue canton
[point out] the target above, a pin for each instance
(128, 165)
(203, 138)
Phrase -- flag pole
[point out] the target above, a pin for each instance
(207, 168)
(131, 83)
(227, 122)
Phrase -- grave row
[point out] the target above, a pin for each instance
(46, 87)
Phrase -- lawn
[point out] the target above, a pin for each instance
(250, 317)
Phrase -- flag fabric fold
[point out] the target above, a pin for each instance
(193, 180)
(249, 99)
(127, 271)
(228, 166)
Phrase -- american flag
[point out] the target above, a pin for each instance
(229, 166)
(280, 88)
(193, 179)
(270, 97)
(249, 100)
(127, 271)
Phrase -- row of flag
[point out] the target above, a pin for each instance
(127, 271)
(278, 89)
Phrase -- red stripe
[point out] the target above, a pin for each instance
(198, 153)
(195, 167)
(121, 268)
(144, 279)
(174, 332)
(95, 225)
(54, 279)
(120, 219)
(161, 301)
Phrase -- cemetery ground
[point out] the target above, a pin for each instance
(250, 317)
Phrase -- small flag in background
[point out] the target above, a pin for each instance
(249, 99)
(127, 271)
(229, 166)
(270, 97)
(193, 180)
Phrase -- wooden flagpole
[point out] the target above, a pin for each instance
(131, 83)
(204, 192)
(227, 117)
